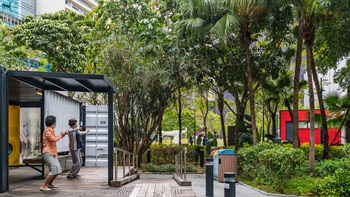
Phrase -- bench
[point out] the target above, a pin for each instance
(36, 162)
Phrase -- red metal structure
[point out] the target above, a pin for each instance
(286, 128)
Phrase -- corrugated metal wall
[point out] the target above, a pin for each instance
(64, 109)
(96, 147)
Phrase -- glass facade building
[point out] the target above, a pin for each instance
(12, 11)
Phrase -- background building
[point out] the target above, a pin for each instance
(52, 6)
(12, 11)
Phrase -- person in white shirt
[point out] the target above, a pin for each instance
(75, 145)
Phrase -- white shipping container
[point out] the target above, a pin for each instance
(63, 108)
(96, 149)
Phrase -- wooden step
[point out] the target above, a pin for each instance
(152, 189)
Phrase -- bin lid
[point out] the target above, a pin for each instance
(226, 152)
(223, 152)
(213, 153)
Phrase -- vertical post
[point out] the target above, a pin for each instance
(42, 129)
(263, 121)
(4, 140)
(133, 163)
(201, 158)
(110, 135)
(137, 162)
(124, 163)
(116, 165)
(321, 130)
(129, 163)
(176, 165)
(181, 164)
(230, 184)
(194, 125)
(185, 163)
(209, 177)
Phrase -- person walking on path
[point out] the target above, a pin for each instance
(75, 145)
(50, 154)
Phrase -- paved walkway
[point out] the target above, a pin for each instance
(25, 181)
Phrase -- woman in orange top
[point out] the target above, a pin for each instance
(50, 153)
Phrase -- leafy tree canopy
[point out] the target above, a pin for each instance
(57, 36)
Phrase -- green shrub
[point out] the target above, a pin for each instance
(278, 165)
(337, 185)
(328, 167)
(165, 154)
(248, 159)
(335, 152)
(167, 168)
(227, 147)
(303, 169)
(346, 150)
(191, 168)
(318, 150)
(287, 145)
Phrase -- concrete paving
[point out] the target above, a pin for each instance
(25, 181)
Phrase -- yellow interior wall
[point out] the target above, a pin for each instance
(14, 135)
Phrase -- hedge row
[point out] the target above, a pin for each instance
(272, 164)
(165, 154)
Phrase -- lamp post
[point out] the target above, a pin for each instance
(194, 126)
(194, 120)
(263, 123)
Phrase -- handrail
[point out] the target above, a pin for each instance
(180, 163)
(134, 162)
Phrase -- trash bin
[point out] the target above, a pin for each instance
(219, 167)
(226, 163)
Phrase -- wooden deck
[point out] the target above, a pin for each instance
(152, 189)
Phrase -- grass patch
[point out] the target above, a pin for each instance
(301, 186)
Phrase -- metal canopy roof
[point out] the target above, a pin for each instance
(22, 84)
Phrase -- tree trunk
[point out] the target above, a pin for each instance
(251, 92)
(324, 127)
(274, 125)
(295, 117)
(206, 113)
(312, 106)
(222, 119)
(290, 110)
(239, 123)
(179, 115)
(160, 138)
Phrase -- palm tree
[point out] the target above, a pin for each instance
(220, 19)
(296, 88)
(337, 105)
(312, 13)
(277, 91)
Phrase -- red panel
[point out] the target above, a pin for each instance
(331, 135)
(304, 136)
(304, 133)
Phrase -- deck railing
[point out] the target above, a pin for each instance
(180, 163)
(131, 164)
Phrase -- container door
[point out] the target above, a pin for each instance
(96, 152)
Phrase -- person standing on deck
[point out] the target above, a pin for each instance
(50, 155)
(75, 145)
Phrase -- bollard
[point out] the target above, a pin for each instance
(201, 158)
(148, 155)
(230, 184)
(209, 175)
